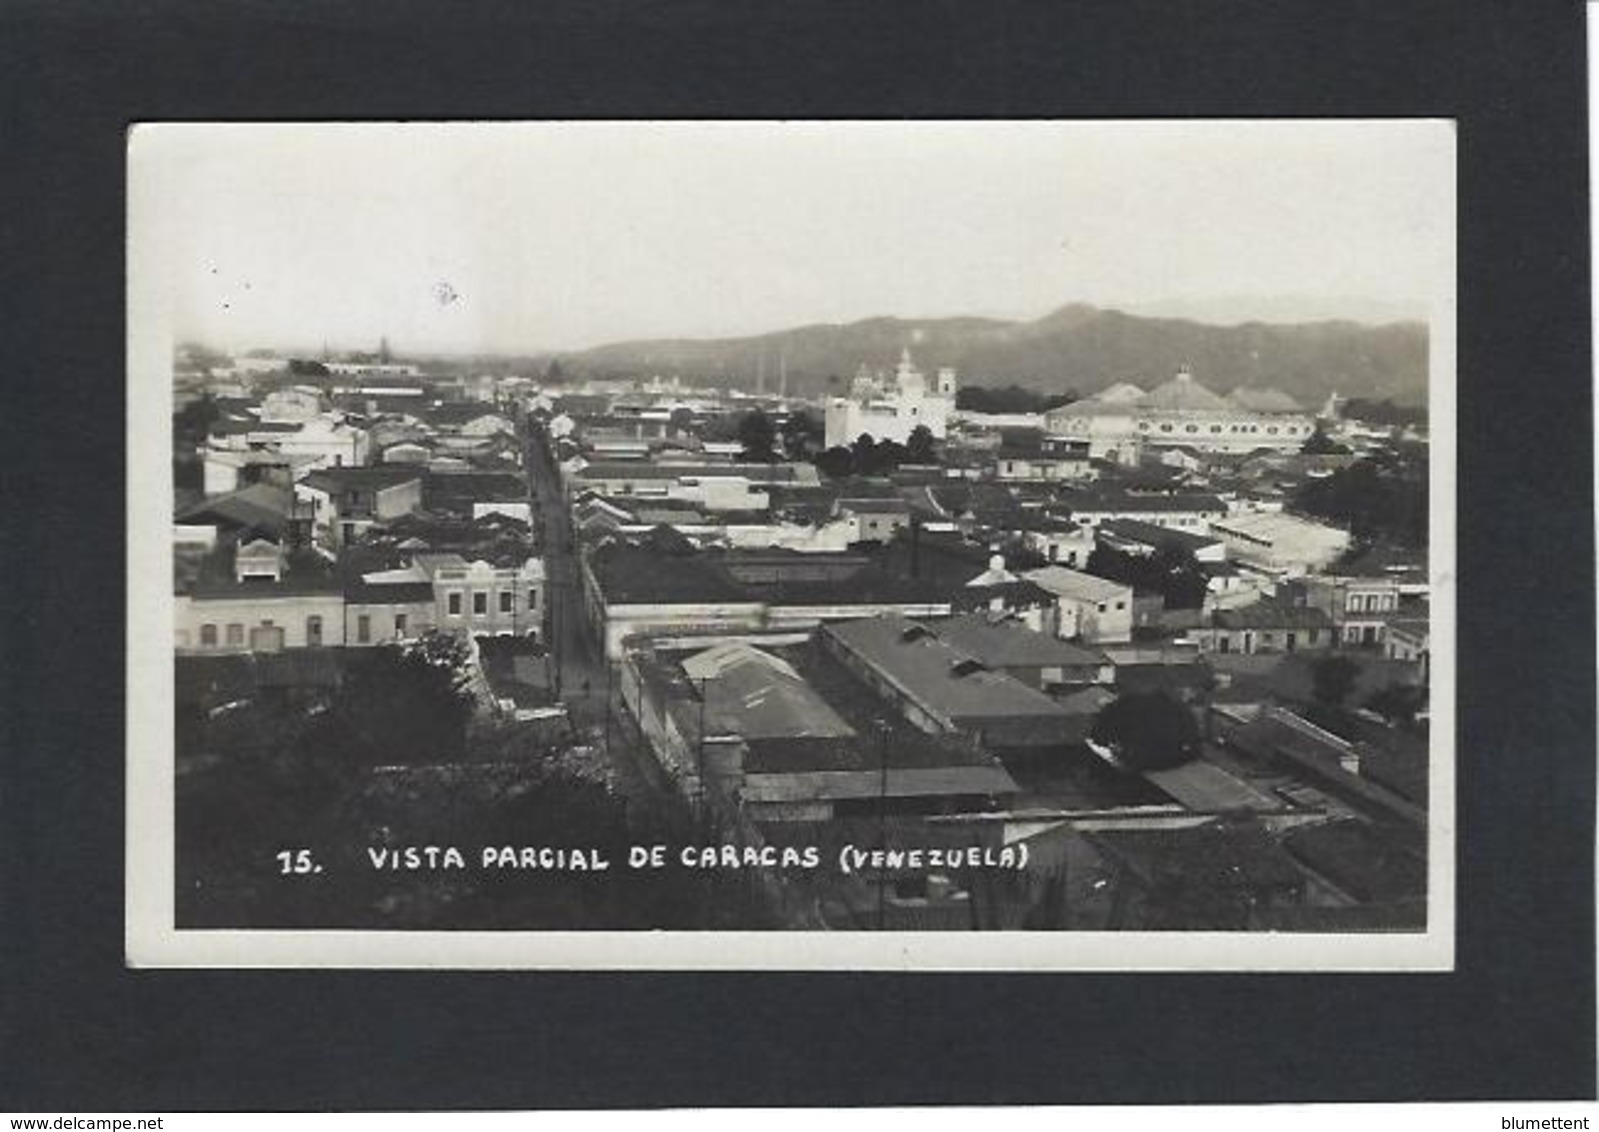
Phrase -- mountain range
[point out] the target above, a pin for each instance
(1077, 347)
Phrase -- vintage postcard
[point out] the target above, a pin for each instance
(983, 545)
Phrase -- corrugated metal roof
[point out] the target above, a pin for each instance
(932, 674)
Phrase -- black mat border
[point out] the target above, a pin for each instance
(79, 1033)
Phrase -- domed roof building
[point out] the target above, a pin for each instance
(1182, 394)
(1122, 420)
(1263, 400)
(1122, 393)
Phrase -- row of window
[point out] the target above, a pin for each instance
(233, 632)
(455, 602)
(1271, 430)
(1267, 639)
(1370, 603)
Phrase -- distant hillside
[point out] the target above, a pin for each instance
(1076, 347)
(1234, 310)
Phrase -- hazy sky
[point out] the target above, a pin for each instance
(560, 236)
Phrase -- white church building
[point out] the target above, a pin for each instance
(890, 407)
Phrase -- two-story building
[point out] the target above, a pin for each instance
(1282, 545)
(1042, 459)
(482, 598)
(347, 502)
(1091, 608)
(1186, 511)
(874, 520)
(1359, 607)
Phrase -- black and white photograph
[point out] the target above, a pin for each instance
(835, 545)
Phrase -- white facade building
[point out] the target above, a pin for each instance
(1092, 609)
(890, 408)
(1280, 544)
(1120, 422)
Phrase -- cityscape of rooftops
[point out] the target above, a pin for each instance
(528, 511)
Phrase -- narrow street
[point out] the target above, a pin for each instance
(579, 672)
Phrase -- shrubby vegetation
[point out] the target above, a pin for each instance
(1379, 498)
(1148, 731)
(1171, 571)
(391, 757)
(1009, 399)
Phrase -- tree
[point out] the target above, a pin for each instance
(836, 463)
(1112, 565)
(404, 705)
(920, 447)
(1380, 497)
(191, 423)
(803, 435)
(1320, 444)
(1009, 399)
(1176, 573)
(1148, 730)
(1332, 679)
(1398, 703)
(758, 435)
(1170, 570)
(886, 456)
(1384, 412)
(864, 453)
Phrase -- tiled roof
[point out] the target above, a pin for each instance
(638, 470)
(1121, 393)
(1152, 534)
(1263, 400)
(1123, 502)
(1077, 585)
(260, 507)
(1204, 786)
(219, 589)
(1269, 614)
(348, 478)
(894, 505)
(387, 593)
(458, 412)
(1273, 525)
(240, 428)
(1181, 392)
(869, 586)
(636, 575)
(1008, 644)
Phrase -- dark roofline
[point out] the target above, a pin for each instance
(379, 475)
